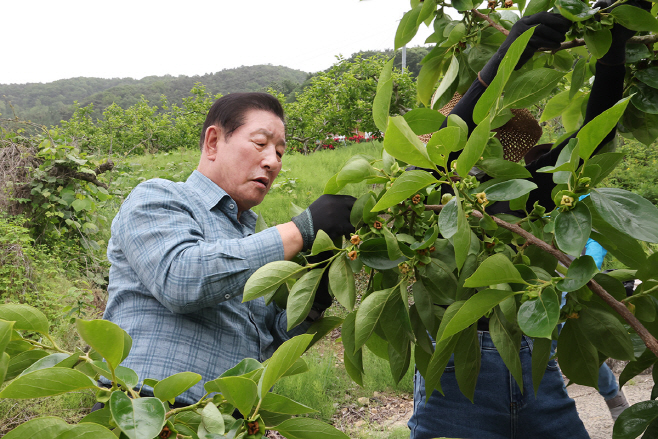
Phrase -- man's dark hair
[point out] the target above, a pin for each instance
(228, 112)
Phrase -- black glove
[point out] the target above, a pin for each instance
(323, 299)
(550, 33)
(616, 55)
(330, 213)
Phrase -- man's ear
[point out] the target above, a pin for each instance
(211, 141)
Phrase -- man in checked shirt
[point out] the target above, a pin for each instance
(181, 253)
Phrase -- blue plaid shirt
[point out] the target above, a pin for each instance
(180, 259)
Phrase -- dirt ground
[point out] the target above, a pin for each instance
(594, 412)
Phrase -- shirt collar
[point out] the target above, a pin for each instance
(211, 195)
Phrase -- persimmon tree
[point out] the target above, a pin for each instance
(438, 263)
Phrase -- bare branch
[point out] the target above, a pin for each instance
(648, 339)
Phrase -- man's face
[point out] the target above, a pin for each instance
(248, 161)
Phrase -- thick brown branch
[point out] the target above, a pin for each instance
(648, 339)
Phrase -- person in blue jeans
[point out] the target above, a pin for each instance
(500, 410)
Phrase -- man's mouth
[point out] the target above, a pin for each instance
(264, 181)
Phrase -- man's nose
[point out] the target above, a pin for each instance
(270, 158)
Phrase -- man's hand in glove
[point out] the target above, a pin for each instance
(550, 33)
(330, 213)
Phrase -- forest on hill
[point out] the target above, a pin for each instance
(52, 102)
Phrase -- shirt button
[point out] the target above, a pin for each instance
(231, 206)
(227, 296)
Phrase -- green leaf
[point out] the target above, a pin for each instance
(541, 353)
(101, 417)
(308, 428)
(474, 148)
(322, 327)
(374, 254)
(382, 102)
(635, 18)
(581, 271)
(448, 219)
(212, 419)
(353, 357)
(509, 190)
(598, 41)
(648, 76)
(635, 419)
(368, 313)
(355, 171)
(84, 204)
(282, 360)
(281, 404)
(47, 382)
(269, 277)
(407, 28)
(495, 89)
(467, 361)
(300, 298)
(243, 367)
(461, 239)
(403, 187)
(579, 359)
(627, 212)
(555, 106)
(403, 144)
(427, 77)
(501, 168)
(45, 362)
(496, 269)
(424, 120)
(538, 317)
(507, 339)
(141, 418)
(169, 388)
(239, 391)
(607, 163)
(106, 338)
(531, 87)
(4, 364)
(392, 246)
(578, 77)
(400, 334)
(474, 308)
(6, 329)
(322, 243)
(341, 282)
(636, 367)
(399, 362)
(575, 10)
(442, 353)
(19, 362)
(592, 134)
(56, 428)
(606, 333)
(572, 229)
(448, 78)
(25, 317)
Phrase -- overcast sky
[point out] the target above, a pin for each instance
(49, 40)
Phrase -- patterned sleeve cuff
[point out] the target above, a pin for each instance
(304, 223)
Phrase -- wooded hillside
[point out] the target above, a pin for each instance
(52, 102)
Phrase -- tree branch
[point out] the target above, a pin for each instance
(648, 339)
(491, 22)
(644, 39)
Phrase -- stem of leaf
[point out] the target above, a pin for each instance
(186, 408)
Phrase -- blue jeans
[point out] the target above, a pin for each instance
(500, 410)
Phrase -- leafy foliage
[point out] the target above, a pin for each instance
(36, 369)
